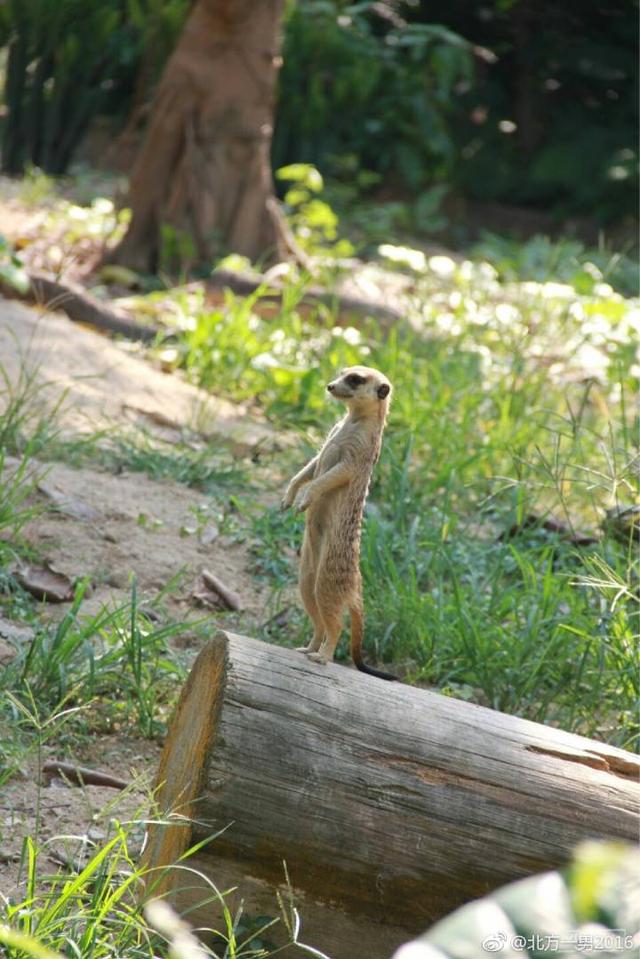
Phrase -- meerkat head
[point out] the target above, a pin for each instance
(361, 388)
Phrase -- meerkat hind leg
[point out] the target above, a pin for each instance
(314, 644)
(308, 598)
(332, 629)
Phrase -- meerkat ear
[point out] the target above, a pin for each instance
(383, 390)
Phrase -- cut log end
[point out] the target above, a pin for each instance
(181, 774)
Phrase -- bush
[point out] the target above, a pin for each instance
(68, 61)
(505, 100)
(551, 122)
(542, 117)
(378, 89)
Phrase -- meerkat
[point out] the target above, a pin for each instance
(331, 490)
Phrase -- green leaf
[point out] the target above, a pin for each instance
(304, 173)
(14, 276)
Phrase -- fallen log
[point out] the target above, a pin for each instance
(80, 306)
(274, 289)
(229, 599)
(82, 776)
(390, 805)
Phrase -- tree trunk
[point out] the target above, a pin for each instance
(525, 21)
(202, 184)
(390, 805)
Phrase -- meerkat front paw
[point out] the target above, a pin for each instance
(303, 499)
(288, 498)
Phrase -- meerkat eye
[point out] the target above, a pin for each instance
(354, 380)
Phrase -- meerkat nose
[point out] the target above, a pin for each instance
(331, 387)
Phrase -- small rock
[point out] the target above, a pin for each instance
(45, 583)
(9, 855)
(209, 534)
(14, 632)
(70, 505)
(117, 578)
(7, 653)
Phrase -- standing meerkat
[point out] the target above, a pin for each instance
(332, 489)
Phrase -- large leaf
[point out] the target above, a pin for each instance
(592, 907)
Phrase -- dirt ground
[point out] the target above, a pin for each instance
(101, 384)
(137, 526)
(66, 821)
(108, 527)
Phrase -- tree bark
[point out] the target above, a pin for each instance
(390, 805)
(202, 184)
(525, 20)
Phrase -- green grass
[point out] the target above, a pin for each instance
(118, 661)
(98, 902)
(511, 399)
(18, 483)
(565, 260)
(99, 907)
(196, 465)
(514, 396)
(25, 427)
(30, 428)
(28, 416)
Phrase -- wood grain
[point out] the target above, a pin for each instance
(183, 766)
(389, 803)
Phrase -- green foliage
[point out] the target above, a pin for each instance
(28, 418)
(11, 270)
(587, 907)
(311, 210)
(37, 188)
(511, 624)
(58, 57)
(567, 260)
(68, 61)
(102, 906)
(178, 251)
(82, 659)
(510, 113)
(312, 219)
(550, 121)
(256, 354)
(353, 83)
(95, 911)
(202, 468)
(25, 426)
(17, 486)
(512, 400)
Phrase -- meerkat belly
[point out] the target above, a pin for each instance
(333, 530)
(330, 511)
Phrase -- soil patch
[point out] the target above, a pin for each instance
(109, 527)
(70, 822)
(101, 384)
(138, 527)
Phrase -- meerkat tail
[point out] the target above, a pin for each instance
(357, 633)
